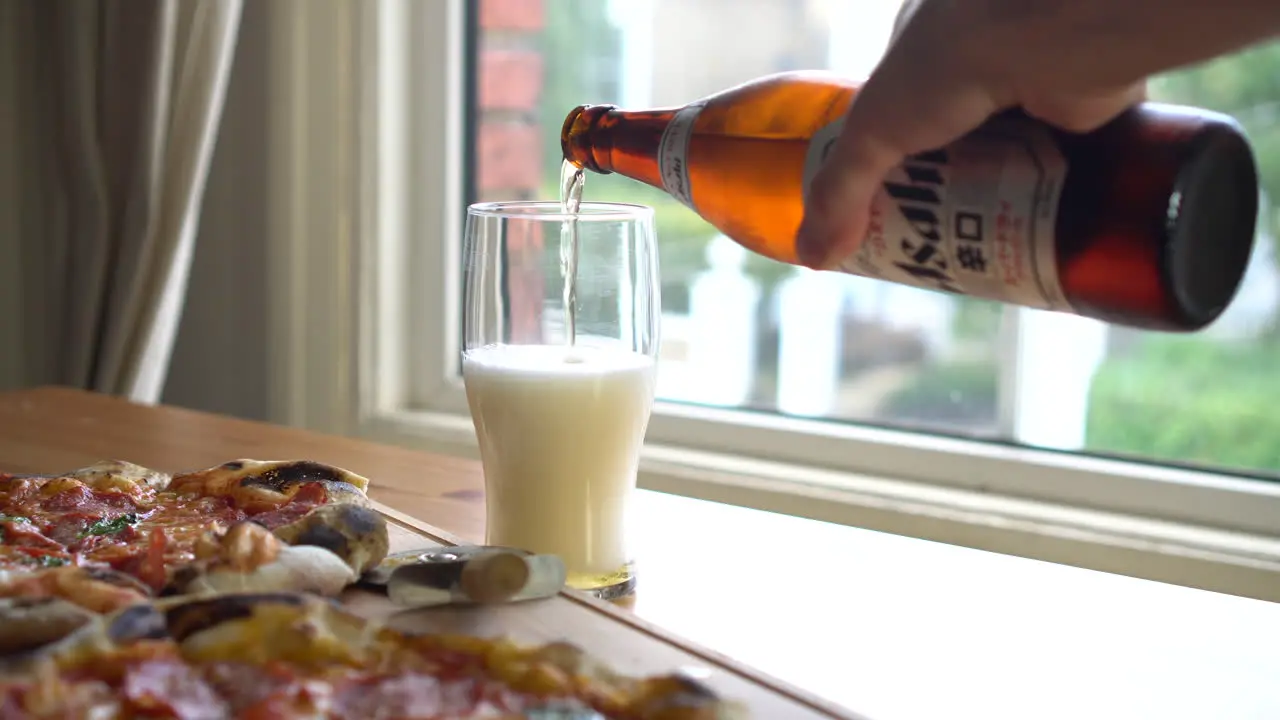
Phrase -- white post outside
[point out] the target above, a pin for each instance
(722, 318)
(810, 340)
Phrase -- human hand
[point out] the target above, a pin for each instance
(951, 65)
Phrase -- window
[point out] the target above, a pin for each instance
(745, 332)
(892, 408)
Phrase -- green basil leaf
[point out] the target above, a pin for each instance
(110, 527)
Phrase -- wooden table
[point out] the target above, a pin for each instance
(893, 627)
(53, 429)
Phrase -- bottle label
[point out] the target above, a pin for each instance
(975, 218)
(673, 153)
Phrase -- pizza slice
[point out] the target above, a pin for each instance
(245, 525)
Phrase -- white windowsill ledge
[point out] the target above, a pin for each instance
(869, 619)
(1182, 554)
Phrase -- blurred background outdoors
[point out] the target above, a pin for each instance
(744, 332)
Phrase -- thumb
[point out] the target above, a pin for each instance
(838, 205)
(1082, 113)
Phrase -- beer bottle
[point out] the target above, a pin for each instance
(1147, 221)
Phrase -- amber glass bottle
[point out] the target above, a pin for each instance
(1147, 221)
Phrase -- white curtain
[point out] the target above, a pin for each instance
(109, 111)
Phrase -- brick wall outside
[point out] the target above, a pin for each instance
(509, 83)
(508, 157)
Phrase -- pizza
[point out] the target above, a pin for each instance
(290, 655)
(115, 534)
(130, 593)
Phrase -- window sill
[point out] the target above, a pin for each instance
(1235, 563)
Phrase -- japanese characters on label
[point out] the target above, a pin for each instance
(974, 218)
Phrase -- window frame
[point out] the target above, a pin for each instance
(368, 109)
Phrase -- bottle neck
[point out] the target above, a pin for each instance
(581, 137)
(605, 140)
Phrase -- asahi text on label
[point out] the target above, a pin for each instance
(975, 218)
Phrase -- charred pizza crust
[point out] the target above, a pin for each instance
(350, 666)
(106, 474)
(29, 623)
(271, 483)
(355, 533)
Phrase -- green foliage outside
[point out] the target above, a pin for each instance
(580, 57)
(959, 396)
(1190, 400)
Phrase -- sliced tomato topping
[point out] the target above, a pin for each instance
(23, 533)
(312, 493)
(152, 571)
(308, 497)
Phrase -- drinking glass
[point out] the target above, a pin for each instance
(559, 363)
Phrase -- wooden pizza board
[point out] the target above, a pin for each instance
(610, 634)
